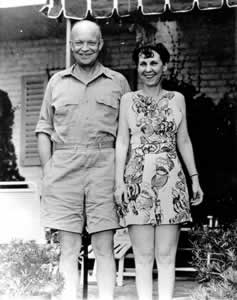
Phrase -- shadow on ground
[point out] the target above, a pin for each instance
(183, 287)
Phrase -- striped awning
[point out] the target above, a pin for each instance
(78, 9)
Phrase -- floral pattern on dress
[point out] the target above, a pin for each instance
(156, 185)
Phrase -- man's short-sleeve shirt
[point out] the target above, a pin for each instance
(74, 111)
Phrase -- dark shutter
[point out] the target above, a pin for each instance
(33, 93)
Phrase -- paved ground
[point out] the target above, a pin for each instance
(128, 290)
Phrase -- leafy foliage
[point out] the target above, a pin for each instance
(217, 290)
(212, 130)
(215, 259)
(8, 165)
(27, 268)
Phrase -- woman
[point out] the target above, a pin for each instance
(151, 191)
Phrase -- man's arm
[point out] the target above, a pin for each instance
(44, 148)
(44, 127)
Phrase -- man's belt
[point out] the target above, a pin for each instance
(98, 145)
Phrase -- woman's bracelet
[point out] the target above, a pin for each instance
(196, 174)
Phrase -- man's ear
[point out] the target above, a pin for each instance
(71, 46)
(165, 68)
(101, 44)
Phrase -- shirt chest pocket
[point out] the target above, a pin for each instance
(107, 106)
(65, 112)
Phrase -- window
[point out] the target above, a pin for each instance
(33, 93)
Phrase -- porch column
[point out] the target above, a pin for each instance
(68, 49)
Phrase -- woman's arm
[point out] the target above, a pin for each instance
(186, 150)
(122, 143)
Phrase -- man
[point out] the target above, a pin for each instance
(79, 119)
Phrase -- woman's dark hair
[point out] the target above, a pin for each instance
(146, 50)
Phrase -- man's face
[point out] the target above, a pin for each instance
(86, 45)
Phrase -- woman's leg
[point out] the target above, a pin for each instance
(142, 238)
(102, 243)
(166, 242)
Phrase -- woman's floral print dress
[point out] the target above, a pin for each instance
(156, 186)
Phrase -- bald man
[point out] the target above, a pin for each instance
(76, 135)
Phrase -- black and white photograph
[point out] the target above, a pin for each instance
(118, 149)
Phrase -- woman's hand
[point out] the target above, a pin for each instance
(120, 194)
(197, 193)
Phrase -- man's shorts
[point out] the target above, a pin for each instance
(78, 190)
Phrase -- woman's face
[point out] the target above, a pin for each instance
(150, 69)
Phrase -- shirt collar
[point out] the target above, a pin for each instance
(68, 71)
(102, 70)
(107, 72)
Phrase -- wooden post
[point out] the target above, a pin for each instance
(68, 48)
(85, 242)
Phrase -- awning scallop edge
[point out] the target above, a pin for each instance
(78, 9)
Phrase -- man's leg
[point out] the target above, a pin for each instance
(70, 248)
(102, 243)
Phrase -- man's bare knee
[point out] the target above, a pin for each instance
(70, 244)
(102, 244)
(103, 251)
